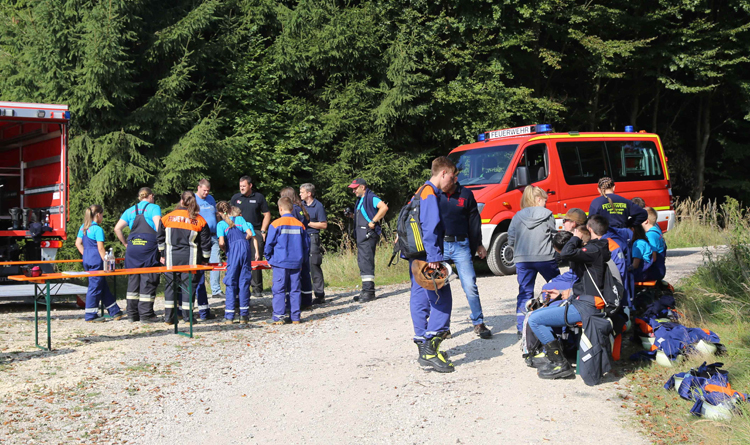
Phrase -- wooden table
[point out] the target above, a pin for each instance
(46, 279)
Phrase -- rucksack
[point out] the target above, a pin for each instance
(613, 291)
(409, 242)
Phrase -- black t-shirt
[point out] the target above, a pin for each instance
(253, 207)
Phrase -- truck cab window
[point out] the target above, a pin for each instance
(536, 159)
(634, 160)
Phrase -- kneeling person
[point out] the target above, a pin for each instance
(431, 309)
(287, 247)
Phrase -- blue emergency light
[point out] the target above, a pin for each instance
(629, 129)
(543, 128)
(480, 138)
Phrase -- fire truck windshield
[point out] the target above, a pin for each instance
(486, 165)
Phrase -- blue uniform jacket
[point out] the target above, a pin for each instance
(287, 243)
(460, 215)
(621, 213)
(431, 222)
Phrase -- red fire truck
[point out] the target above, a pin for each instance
(568, 166)
(33, 180)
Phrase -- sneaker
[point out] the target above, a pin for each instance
(96, 320)
(482, 331)
(244, 319)
(278, 322)
(118, 316)
(319, 300)
(219, 295)
(227, 321)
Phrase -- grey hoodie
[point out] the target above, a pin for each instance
(530, 234)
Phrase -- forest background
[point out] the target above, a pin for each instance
(165, 93)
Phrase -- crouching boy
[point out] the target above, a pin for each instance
(287, 245)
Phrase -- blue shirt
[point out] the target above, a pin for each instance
(208, 211)
(656, 240)
(317, 213)
(239, 222)
(95, 232)
(361, 202)
(152, 210)
(642, 250)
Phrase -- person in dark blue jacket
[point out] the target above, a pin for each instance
(619, 211)
(287, 248)
(299, 212)
(431, 309)
(369, 210)
(90, 243)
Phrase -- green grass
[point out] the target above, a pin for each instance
(716, 297)
(699, 224)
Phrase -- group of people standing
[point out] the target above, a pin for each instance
(192, 234)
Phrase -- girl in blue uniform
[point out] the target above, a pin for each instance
(300, 213)
(233, 233)
(90, 243)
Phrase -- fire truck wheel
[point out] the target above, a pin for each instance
(500, 256)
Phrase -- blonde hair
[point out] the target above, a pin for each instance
(606, 183)
(144, 193)
(224, 210)
(652, 215)
(285, 203)
(89, 214)
(235, 211)
(530, 194)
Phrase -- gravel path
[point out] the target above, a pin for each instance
(347, 374)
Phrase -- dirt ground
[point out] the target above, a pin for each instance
(347, 374)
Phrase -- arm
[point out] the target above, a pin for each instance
(79, 245)
(161, 238)
(257, 248)
(265, 224)
(429, 216)
(636, 263)
(571, 251)
(382, 210)
(121, 224)
(205, 237)
(156, 219)
(594, 207)
(512, 233)
(637, 214)
(222, 244)
(270, 242)
(100, 247)
(475, 229)
(319, 225)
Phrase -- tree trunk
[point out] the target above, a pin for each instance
(595, 104)
(634, 112)
(702, 133)
(656, 102)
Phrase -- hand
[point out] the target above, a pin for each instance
(481, 252)
(371, 225)
(433, 265)
(577, 233)
(257, 257)
(552, 294)
(264, 237)
(162, 260)
(566, 294)
(125, 244)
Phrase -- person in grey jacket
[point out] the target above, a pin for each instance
(530, 234)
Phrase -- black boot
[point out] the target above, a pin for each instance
(536, 360)
(558, 368)
(430, 355)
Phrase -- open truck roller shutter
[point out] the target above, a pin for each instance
(567, 166)
(33, 179)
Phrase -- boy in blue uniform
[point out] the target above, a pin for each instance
(655, 239)
(141, 250)
(90, 243)
(431, 309)
(287, 247)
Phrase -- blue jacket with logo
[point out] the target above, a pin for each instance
(287, 243)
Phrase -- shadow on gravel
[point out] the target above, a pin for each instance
(481, 349)
(684, 252)
(8, 358)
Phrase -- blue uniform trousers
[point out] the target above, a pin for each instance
(284, 279)
(305, 285)
(238, 275)
(526, 274)
(430, 310)
(204, 310)
(98, 287)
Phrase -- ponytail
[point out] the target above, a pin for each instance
(188, 201)
(222, 210)
(89, 214)
(606, 183)
(288, 192)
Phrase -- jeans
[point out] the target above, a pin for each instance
(541, 321)
(526, 273)
(215, 275)
(460, 253)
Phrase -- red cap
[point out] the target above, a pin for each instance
(357, 182)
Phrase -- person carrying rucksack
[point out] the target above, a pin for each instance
(431, 309)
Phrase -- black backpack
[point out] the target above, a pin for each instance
(409, 243)
(613, 291)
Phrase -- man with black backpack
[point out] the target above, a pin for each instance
(430, 309)
(588, 300)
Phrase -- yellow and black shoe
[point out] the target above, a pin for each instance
(558, 367)
(536, 360)
(430, 355)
